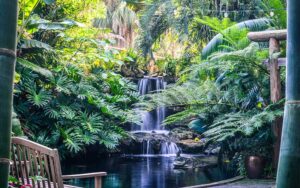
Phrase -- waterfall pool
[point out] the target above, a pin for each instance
(145, 171)
(153, 168)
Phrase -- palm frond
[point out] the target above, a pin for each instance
(251, 25)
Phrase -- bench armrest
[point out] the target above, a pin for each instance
(81, 176)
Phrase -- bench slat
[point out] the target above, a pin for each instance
(31, 159)
(87, 175)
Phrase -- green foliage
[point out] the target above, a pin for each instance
(278, 7)
(228, 93)
(159, 17)
(245, 123)
(34, 67)
(259, 144)
(225, 88)
(69, 95)
(233, 37)
(28, 44)
(155, 20)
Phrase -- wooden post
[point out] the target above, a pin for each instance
(276, 95)
(265, 36)
(273, 37)
(98, 182)
(274, 71)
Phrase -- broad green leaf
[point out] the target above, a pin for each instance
(34, 67)
(30, 43)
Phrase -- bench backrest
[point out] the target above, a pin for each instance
(35, 164)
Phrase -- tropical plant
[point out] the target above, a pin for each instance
(228, 35)
(69, 94)
(183, 17)
(121, 20)
(228, 92)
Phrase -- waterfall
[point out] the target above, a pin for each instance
(147, 147)
(169, 148)
(152, 121)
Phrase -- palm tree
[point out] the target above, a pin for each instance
(223, 37)
(160, 15)
(121, 20)
(8, 22)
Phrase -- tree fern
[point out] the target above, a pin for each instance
(246, 123)
(226, 92)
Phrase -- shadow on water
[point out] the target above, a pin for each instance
(145, 172)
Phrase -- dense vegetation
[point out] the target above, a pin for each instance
(70, 91)
(223, 87)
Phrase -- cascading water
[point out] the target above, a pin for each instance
(152, 121)
(147, 147)
(169, 148)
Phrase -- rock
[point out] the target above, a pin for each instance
(138, 141)
(195, 162)
(126, 71)
(139, 73)
(188, 140)
(212, 150)
(183, 133)
(132, 70)
(191, 146)
(129, 145)
(216, 151)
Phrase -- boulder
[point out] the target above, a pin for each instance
(195, 162)
(212, 150)
(191, 145)
(183, 133)
(129, 70)
(137, 142)
(188, 140)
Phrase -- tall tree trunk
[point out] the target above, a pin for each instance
(8, 24)
(288, 175)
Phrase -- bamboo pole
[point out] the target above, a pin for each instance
(288, 175)
(8, 23)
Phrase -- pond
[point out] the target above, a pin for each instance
(153, 168)
(145, 171)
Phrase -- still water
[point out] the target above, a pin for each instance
(145, 172)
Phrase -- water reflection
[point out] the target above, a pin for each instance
(145, 172)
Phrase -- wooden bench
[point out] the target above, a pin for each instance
(30, 160)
